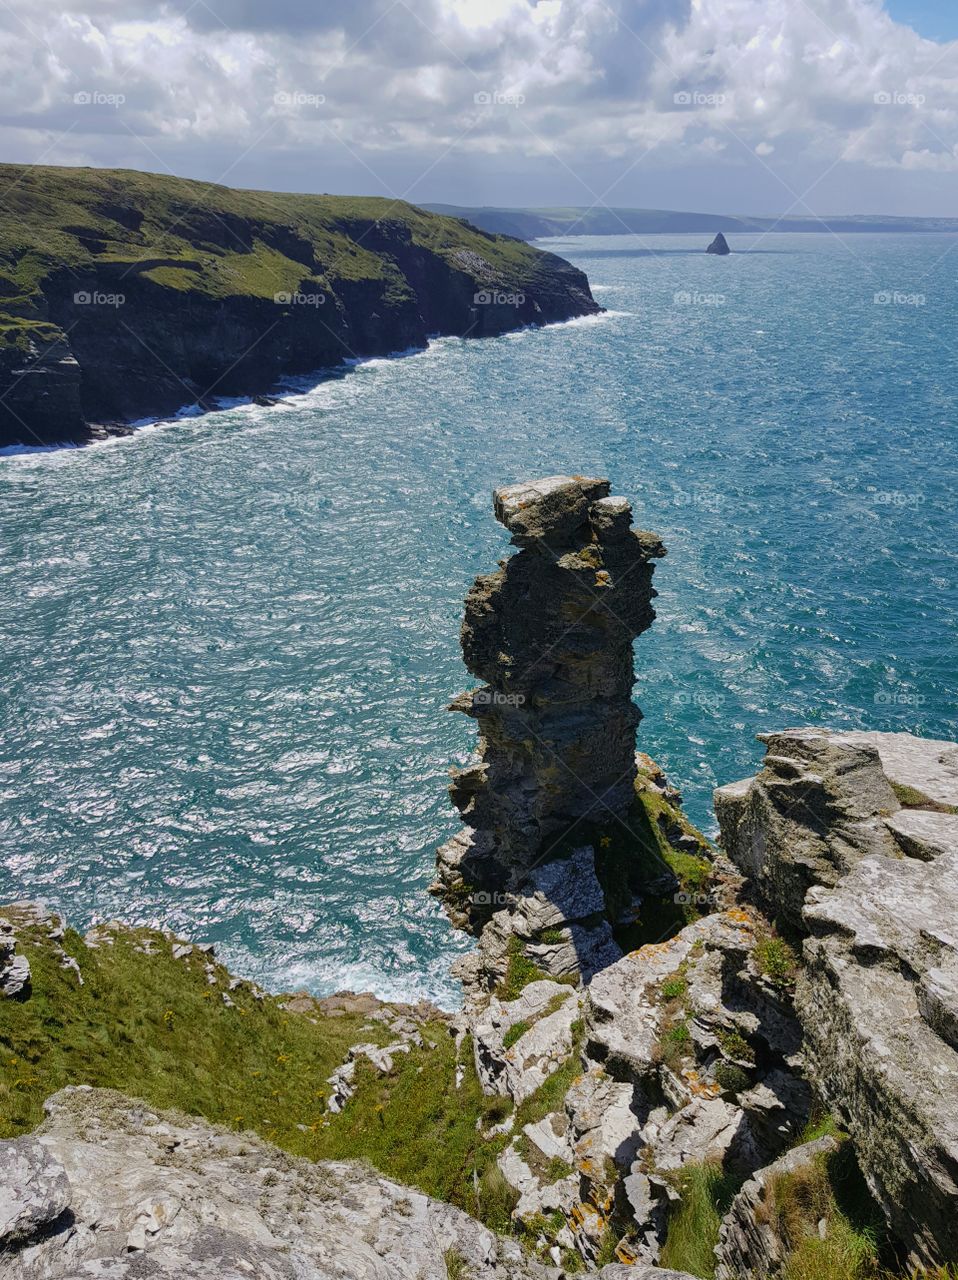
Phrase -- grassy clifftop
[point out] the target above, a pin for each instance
(126, 293)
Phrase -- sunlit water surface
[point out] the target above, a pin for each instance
(228, 642)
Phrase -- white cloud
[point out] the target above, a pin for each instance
(577, 83)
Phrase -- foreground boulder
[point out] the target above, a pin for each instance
(109, 1188)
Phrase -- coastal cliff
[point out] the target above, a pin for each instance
(673, 1060)
(127, 295)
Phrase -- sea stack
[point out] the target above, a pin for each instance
(719, 245)
(550, 633)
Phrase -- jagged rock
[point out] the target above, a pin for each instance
(558, 896)
(719, 245)
(551, 635)
(607, 1118)
(624, 1009)
(927, 767)
(749, 1244)
(544, 1013)
(159, 1195)
(34, 1191)
(708, 1129)
(775, 1108)
(823, 836)
(818, 806)
(550, 1137)
(924, 834)
(14, 970)
(622, 1271)
(878, 1000)
(537, 1197)
(343, 1079)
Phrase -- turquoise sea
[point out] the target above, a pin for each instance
(228, 642)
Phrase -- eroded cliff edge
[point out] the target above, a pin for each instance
(126, 295)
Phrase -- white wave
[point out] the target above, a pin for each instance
(430, 982)
(584, 322)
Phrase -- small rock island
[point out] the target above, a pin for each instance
(719, 246)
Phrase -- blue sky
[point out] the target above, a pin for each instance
(750, 106)
(936, 19)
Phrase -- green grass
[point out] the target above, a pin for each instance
(520, 971)
(154, 1027)
(912, 798)
(515, 1032)
(693, 1228)
(456, 1266)
(829, 1190)
(230, 241)
(674, 988)
(734, 1045)
(674, 1044)
(776, 960)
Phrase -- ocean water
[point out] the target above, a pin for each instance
(228, 642)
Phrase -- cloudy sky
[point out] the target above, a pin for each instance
(751, 106)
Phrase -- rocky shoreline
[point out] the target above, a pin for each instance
(673, 1060)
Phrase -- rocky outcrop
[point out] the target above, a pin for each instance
(550, 634)
(719, 245)
(751, 1242)
(853, 839)
(819, 805)
(108, 1187)
(14, 969)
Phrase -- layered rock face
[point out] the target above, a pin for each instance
(550, 633)
(854, 838)
(817, 807)
(679, 1054)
